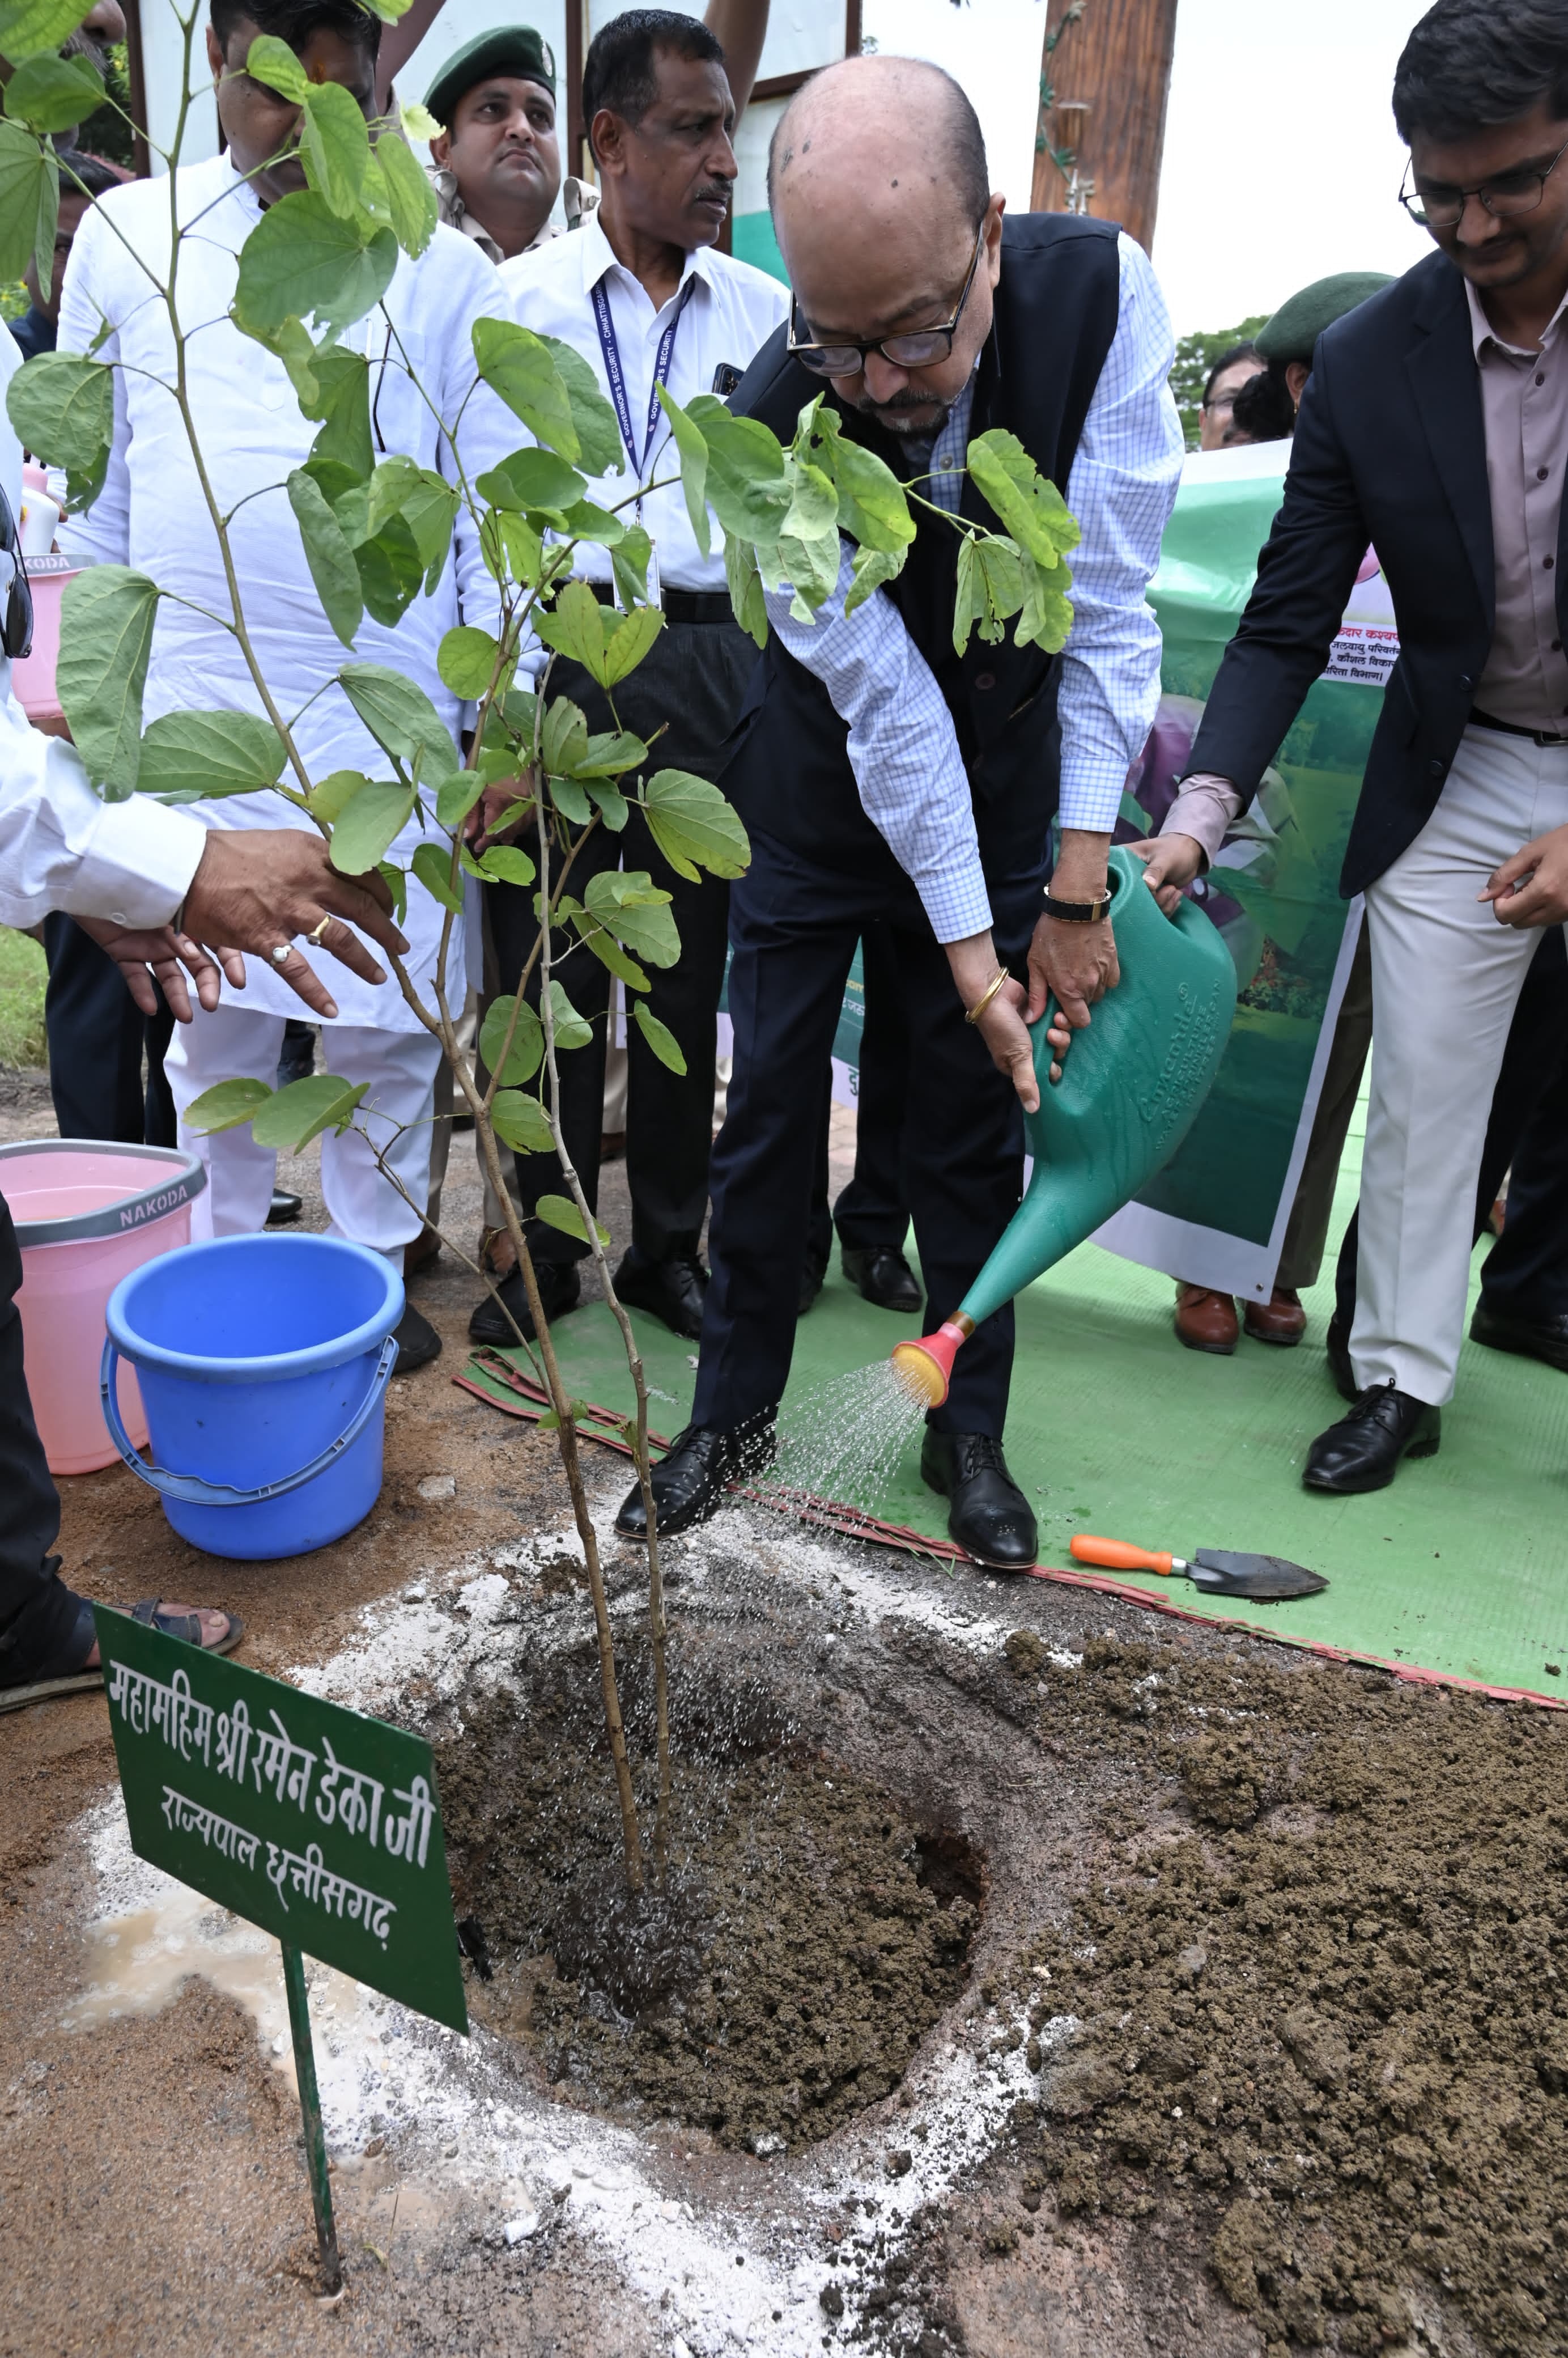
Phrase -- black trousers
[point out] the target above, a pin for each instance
(38, 1612)
(793, 925)
(690, 688)
(97, 1035)
(870, 1213)
(1526, 1272)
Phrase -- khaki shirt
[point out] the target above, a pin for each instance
(577, 199)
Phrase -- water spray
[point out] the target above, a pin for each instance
(1130, 1090)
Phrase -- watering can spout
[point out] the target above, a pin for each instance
(1130, 1090)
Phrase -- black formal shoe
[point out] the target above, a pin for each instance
(1362, 1452)
(883, 1276)
(988, 1514)
(690, 1479)
(1532, 1338)
(1337, 1343)
(560, 1289)
(673, 1291)
(284, 1208)
(812, 1273)
(418, 1342)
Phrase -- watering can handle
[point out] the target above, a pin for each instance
(189, 1489)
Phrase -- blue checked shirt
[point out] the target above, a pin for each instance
(902, 745)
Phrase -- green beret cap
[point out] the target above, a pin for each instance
(1296, 325)
(516, 50)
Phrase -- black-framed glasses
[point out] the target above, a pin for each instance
(17, 632)
(922, 348)
(1436, 205)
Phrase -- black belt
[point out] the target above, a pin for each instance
(681, 605)
(1479, 720)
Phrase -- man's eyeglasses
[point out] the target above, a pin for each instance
(17, 631)
(1433, 205)
(923, 348)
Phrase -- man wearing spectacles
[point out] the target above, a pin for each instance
(1434, 426)
(886, 779)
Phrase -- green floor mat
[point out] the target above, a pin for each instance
(1460, 1568)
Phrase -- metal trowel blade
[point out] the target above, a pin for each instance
(1252, 1575)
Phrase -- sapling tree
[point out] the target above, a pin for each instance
(377, 534)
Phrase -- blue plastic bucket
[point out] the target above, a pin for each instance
(263, 1363)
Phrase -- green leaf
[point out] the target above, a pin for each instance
(302, 261)
(575, 627)
(521, 1122)
(413, 200)
(747, 487)
(517, 364)
(106, 636)
(637, 912)
(395, 880)
(417, 120)
(572, 801)
(272, 61)
(304, 1109)
(504, 864)
(572, 1029)
(370, 826)
(341, 400)
(193, 756)
(334, 146)
(399, 716)
(63, 407)
(527, 1050)
(225, 1106)
(1048, 615)
(331, 796)
(29, 27)
(29, 202)
(467, 659)
(630, 640)
(564, 741)
(871, 567)
(329, 556)
(510, 547)
(611, 803)
(989, 589)
(629, 559)
(583, 520)
(659, 1037)
(808, 539)
(693, 452)
(608, 952)
(532, 478)
(598, 433)
(1032, 511)
(391, 573)
(694, 826)
(746, 588)
(872, 508)
(54, 93)
(560, 1212)
(609, 756)
(432, 863)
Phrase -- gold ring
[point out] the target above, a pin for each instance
(314, 937)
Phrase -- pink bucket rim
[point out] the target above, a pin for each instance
(143, 1203)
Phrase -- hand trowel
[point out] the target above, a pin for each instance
(1266, 1577)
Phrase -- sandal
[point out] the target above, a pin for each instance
(150, 1614)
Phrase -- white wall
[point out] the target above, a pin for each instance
(163, 59)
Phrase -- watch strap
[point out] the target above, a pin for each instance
(1078, 913)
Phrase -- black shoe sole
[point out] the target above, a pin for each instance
(1500, 1338)
(1360, 1489)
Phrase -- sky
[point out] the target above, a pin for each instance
(1282, 160)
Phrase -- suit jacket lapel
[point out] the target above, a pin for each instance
(1446, 387)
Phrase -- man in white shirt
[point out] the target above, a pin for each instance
(639, 291)
(152, 513)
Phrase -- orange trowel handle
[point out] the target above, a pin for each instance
(1116, 1555)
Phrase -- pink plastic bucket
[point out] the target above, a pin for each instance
(87, 1212)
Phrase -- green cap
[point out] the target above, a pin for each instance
(516, 50)
(1296, 325)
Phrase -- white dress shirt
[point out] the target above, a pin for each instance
(729, 315)
(901, 743)
(151, 512)
(61, 847)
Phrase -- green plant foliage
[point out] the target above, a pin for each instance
(432, 863)
(636, 912)
(571, 1030)
(51, 93)
(190, 757)
(694, 826)
(291, 1117)
(24, 979)
(29, 204)
(334, 148)
(467, 661)
(521, 1122)
(329, 556)
(302, 261)
(516, 1064)
(532, 478)
(27, 28)
(370, 823)
(399, 716)
(391, 571)
(598, 430)
(692, 452)
(560, 1212)
(63, 407)
(659, 1037)
(517, 364)
(105, 637)
(1033, 510)
(272, 61)
(410, 197)
(227, 1106)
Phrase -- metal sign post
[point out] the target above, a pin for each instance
(320, 1824)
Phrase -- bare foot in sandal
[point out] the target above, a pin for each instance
(218, 1631)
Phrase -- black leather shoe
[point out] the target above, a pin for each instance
(1532, 1338)
(883, 1277)
(673, 1291)
(284, 1208)
(560, 1289)
(418, 1342)
(690, 1479)
(1362, 1452)
(1337, 1343)
(812, 1273)
(988, 1514)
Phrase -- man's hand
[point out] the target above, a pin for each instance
(1531, 889)
(1002, 1027)
(255, 890)
(1076, 962)
(480, 826)
(1170, 861)
(168, 954)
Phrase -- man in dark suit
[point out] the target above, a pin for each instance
(1434, 428)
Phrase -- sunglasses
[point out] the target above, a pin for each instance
(17, 632)
(922, 349)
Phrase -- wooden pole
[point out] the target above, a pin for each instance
(1108, 63)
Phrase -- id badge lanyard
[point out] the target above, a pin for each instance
(613, 371)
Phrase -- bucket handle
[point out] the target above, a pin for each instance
(189, 1489)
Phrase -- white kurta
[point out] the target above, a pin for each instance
(151, 512)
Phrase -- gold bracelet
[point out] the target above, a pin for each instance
(973, 1014)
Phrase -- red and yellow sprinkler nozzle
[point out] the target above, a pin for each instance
(925, 1369)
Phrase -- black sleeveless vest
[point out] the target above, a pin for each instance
(1056, 306)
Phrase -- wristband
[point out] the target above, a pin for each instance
(1078, 913)
(973, 1014)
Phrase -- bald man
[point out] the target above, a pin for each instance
(885, 779)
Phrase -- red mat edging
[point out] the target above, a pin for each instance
(855, 1523)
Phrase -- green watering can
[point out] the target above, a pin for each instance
(1129, 1094)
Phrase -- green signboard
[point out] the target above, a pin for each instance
(318, 1824)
